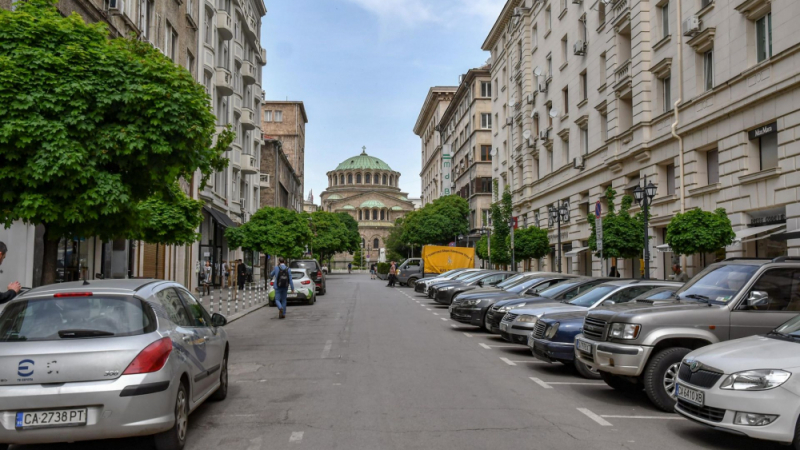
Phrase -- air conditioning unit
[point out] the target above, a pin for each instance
(530, 98)
(580, 47)
(542, 87)
(509, 121)
(116, 6)
(691, 26)
(578, 162)
(543, 135)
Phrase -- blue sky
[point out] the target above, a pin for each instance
(363, 69)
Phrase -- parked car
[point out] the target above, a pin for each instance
(304, 290)
(471, 307)
(422, 284)
(445, 294)
(639, 346)
(748, 386)
(520, 321)
(314, 271)
(553, 337)
(559, 292)
(109, 359)
(467, 275)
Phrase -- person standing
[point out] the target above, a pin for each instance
(206, 275)
(282, 277)
(613, 273)
(349, 267)
(680, 275)
(392, 275)
(13, 287)
(226, 273)
(241, 274)
(373, 269)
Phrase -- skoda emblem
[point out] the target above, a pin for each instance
(695, 366)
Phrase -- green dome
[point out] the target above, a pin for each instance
(348, 207)
(363, 161)
(397, 208)
(335, 197)
(372, 204)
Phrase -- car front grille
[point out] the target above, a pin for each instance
(509, 317)
(594, 328)
(701, 378)
(702, 412)
(538, 332)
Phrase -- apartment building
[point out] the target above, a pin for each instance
(466, 129)
(435, 162)
(583, 98)
(286, 121)
(280, 183)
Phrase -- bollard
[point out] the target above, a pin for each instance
(219, 304)
(210, 301)
(249, 295)
(236, 300)
(229, 301)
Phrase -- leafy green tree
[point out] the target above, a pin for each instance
(501, 214)
(438, 222)
(171, 218)
(273, 231)
(481, 248)
(623, 234)
(353, 236)
(531, 243)
(92, 127)
(395, 245)
(357, 255)
(699, 231)
(330, 234)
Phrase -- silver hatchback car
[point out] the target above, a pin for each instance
(107, 359)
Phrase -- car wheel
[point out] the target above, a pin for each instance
(619, 383)
(175, 437)
(797, 435)
(660, 377)
(324, 289)
(222, 392)
(310, 300)
(587, 371)
(411, 282)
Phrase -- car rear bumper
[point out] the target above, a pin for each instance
(110, 413)
(617, 359)
(552, 351)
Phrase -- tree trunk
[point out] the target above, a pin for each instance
(49, 257)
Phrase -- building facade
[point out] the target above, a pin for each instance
(286, 121)
(466, 130)
(433, 185)
(369, 190)
(584, 98)
(280, 184)
(309, 206)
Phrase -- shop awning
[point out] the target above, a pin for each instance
(575, 252)
(664, 248)
(744, 234)
(221, 218)
(785, 236)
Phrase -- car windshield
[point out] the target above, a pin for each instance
(450, 273)
(556, 289)
(717, 283)
(310, 265)
(516, 280)
(791, 328)
(75, 317)
(528, 282)
(662, 293)
(470, 276)
(593, 295)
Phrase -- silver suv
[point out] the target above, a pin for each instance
(640, 345)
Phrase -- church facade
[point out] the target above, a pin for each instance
(369, 190)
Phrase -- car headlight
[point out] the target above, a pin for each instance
(552, 329)
(527, 319)
(624, 330)
(471, 303)
(755, 380)
(447, 288)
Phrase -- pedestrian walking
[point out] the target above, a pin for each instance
(226, 273)
(205, 277)
(282, 279)
(613, 273)
(373, 271)
(349, 267)
(392, 275)
(241, 274)
(13, 287)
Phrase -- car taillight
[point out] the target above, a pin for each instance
(152, 358)
(272, 283)
(305, 282)
(72, 294)
(319, 274)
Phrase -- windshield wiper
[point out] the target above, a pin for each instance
(68, 334)
(699, 297)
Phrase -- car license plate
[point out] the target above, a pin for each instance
(585, 347)
(55, 418)
(291, 295)
(690, 395)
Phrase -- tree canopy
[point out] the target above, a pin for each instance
(354, 237)
(699, 231)
(438, 222)
(171, 218)
(531, 243)
(273, 231)
(623, 234)
(482, 248)
(330, 234)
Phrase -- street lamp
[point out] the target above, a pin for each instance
(558, 214)
(644, 198)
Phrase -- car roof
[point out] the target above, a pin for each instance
(630, 281)
(120, 287)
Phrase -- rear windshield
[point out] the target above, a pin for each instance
(310, 265)
(556, 289)
(51, 319)
(296, 275)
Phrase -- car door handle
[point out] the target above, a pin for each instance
(187, 338)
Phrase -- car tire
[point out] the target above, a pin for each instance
(620, 384)
(323, 290)
(175, 437)
(660, 376)
(796, 435)
(222, 392)
(586, 371)
(411, 282)
(311, 300)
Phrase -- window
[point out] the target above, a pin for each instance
(604, 127)
(486, 152)
(601, 12)
(190, 63)
(268, 115)
(341, 179)
(564, 50)
(566, 101)
(535, 37)
(584, 86)
(768, 151)
(603, 73)
(358, 178)
(383, 216)
(666, 93)
(549, 66)
(585, 140)
(173, 307)
(375, 242)
(171, 42)
(360, 215)
(563, 5)
(548, 17)
(384, 180)
(199, 315)
(712, 166)
(708, 70)
(764, 37)
(278, 116)
(782, 287)
(486, 89)
(374, 214)
(146, 17)
(486, 121)
(368, 178)
(550, 157)
(350, 178)
(496, 88)
(664, 11)
(670, 179)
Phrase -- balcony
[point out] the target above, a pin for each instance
(251, 27)
(248, 119)
(621, 13)
(248, 73)
(622, 76)
(236, 160)
(263, 56)
(224, 25)
(238, 51)
(249, 164)
(264, 180)
(224, 82)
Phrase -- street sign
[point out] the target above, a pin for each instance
(515, 222)
(367, 257)
(599, 234)
(598, 208)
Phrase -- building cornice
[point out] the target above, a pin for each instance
(499, 26)
(463, 89)
(435, 93)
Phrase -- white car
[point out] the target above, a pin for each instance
(748, 386)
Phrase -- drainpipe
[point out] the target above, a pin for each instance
(675, 124)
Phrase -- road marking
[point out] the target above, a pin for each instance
(327, 349)
(255, 444)
(337, 384)
(541, 383)
(435, 314)
(595, 417)
(531, 361)
(508, 361)
(443, 319)
(485, 346)
(428, 309)
(643, 417)
(576, 383)
(297, 436)
(466, 334)
(454, 326)
(506, 346)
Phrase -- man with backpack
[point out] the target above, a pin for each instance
(282, 277)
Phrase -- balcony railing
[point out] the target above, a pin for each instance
(623, 72)
(620, 8)
(249, 164)
(224, 82)
(247, 120)
(224, 25)
(248, 73)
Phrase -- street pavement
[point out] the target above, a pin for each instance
(370, 367)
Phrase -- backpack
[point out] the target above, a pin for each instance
(283, 278)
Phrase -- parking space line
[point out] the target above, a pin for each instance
(327, 349)
(610, 416)
(506, 346)
(443, 319)
(485, 346)
(297, 436)
(454, 326)
(428, 309)
(530, 361)
(541, 383)
(435, 314)
(602, 422)
(466, 334)
(575, 383)
(508, 361)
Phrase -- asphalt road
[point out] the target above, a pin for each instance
(369, 367)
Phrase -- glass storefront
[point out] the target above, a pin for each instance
(73, 260)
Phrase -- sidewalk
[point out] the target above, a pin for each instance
(235, 305)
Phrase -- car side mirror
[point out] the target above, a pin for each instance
(218, 320)
(757, 298)
(480, 283)
(609, 303)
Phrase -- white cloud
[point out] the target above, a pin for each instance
(486, 10)
(407, 12)
(412, 13)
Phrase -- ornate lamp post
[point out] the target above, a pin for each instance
(644, 198)
(559, 213)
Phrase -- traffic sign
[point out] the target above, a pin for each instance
(599, 234)
(598, 208)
